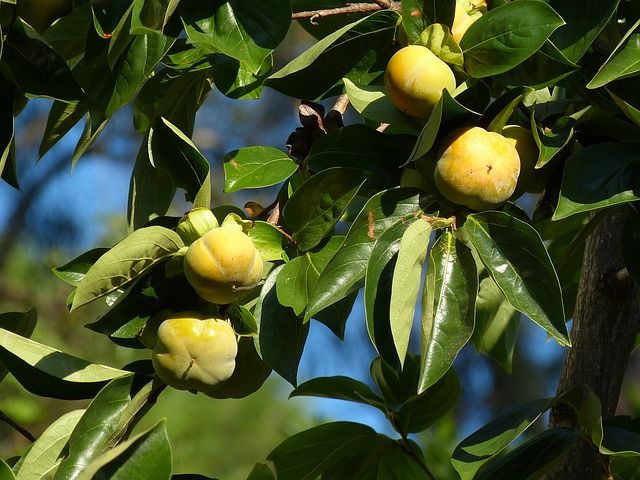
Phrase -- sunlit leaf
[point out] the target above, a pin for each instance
(256, 167)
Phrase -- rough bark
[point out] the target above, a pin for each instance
(605, 325)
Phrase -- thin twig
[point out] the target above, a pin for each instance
(18, 428)
(312, 15)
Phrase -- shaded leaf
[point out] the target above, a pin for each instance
(417, 15)
(339, 387)
(621, 436)
(74, 270)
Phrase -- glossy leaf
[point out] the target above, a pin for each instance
(316, 206)
(515, 256)
(236, 80)
(147, 456)
(245, 31)
(448, 307)
(74, 270)
(598, 176)
(359, 51)
(406, 283)
(269, 241)
(359, 146)
(298, 278)
(347, 268)
(341, 388)
(417, 15)
(488, 441)
(151, 191)
(21, 323)
(171, 150)
(584, 21)
(497, 324)
(127, 260)
(151, 16)
(623, 61)
(103, 423)
(49, 372)
(506, 36)
(306, 455)
(533, 458)
(282, 334)
(44, 457)
(545, 68)
(256, 167)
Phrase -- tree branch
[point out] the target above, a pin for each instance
(18, 428)
(313, 15)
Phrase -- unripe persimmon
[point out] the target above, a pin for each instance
(194, 352)
(477, 168)
(223, 265)
(415, 78)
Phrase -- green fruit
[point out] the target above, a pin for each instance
(223, 265)
(194, 352)
(195, 224)
(477, 168)
(249, 375)
(415, 78)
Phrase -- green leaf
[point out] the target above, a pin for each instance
(378, 286)
(104, 423)
(497, 324)
(345, 271)
(5, 471)
(406, 283)
(335, 316)
(245, 31)
(49, 372)
(317, 205)
(40, 69)
(532, 459)
(8, 95)
(62, 117)
(448, 307)
(593, 121)
(417, 15)
(621, 436)
(626, 96)
(306, 455)
(373, 103)
(488, 441)
(551, 140)
(298, 278)
(20, 323)
(341, 388)
(127, 260)
(506, 36)
(515, 256)
(236, 80)
(268, 240)
(256, 167)
(600, 175)
(359, 51)
(151, 16)
(281, 333)
(44, 457)
(623, 61)
(146, 456)
(74, 270)
(500, 111)
(359, 146)
(151, 190)
(172, 151)
(438, 39)
(584, 21)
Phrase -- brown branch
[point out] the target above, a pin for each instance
(19, 428)
(312, 15)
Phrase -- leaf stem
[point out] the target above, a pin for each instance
(19, 428)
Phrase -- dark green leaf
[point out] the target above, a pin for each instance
(598, 176)
(515, 256)
(151, 16)
(584, 21)
(593, 121)
(282, 334)
(5, 471)
(532, 459)
(506, 36)
(245, 31)
(621, 436)
(361, 147)
(127, 260)
(623, 61)
(74, 270)
(417, 15)
(236, 80)
(8, 95)
(146, 456)
(171, 150)
(256, 167)
(104, 422)
(551, 140)
(341, 388)
(297, 279)
(448, 307)
(359, 51)
(62, 117)
(335, 316)
(48, 372)
(346, 270)
(499, 112)
(317, 205)
(21, 323)
(396, 387)
(487, 442)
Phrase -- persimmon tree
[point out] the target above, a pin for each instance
(356, 210)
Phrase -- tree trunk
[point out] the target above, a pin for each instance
(605, 325)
